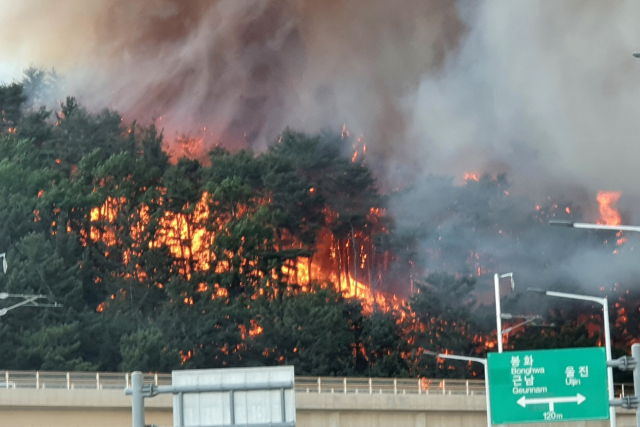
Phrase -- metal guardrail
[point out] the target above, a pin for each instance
(335, 385)
(389, 386)
(75, 380)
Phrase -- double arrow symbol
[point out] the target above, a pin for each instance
(551, 401)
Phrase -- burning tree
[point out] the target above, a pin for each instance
(197, 256)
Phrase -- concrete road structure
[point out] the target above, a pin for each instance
(111, 408)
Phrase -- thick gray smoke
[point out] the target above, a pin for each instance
(546, 91)
(479, 229)
(242, 69)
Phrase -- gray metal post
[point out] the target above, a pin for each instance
(635, 353)
(607, 336)
(496, 283)
(283, 409)
(137, 400)
(181, 409)
(487, 394)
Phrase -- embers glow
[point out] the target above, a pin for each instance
(468, 176)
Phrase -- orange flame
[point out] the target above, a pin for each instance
(609, 215)
(187, 236)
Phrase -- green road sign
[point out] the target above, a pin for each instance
(548, 385)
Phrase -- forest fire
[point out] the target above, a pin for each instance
(188, 237)
(247, 242)
(318, 238)
(351, 264)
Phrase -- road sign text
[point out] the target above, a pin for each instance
(548, 385)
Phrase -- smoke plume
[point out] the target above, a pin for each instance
(547, 91)
(242, 70)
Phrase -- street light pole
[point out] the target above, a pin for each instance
(496, 283)
(607, 336)
(486, 376)
(591, 226)
(28, 300)
(531, 319)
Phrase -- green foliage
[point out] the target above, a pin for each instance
(384, 342)
(146, 350)
(52, 348)
(556, 337)
(12, 99)
(442, 323)
(316, 331)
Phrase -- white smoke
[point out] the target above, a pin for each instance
(548, 91)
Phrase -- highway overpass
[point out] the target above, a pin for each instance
(57, 399)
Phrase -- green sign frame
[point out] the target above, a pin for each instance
(541, 386)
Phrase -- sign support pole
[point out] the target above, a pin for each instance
(496, 283)
(635, 353)
(486, 393)
(607, 346)
(604, 302)
(137, 399)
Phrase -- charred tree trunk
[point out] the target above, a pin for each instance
(355, 260)
(279, 239)
(338, 250)
(372, 259)
(310, 259)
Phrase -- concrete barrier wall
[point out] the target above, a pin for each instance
(77, 408)
(338, 410)
(111, 408)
